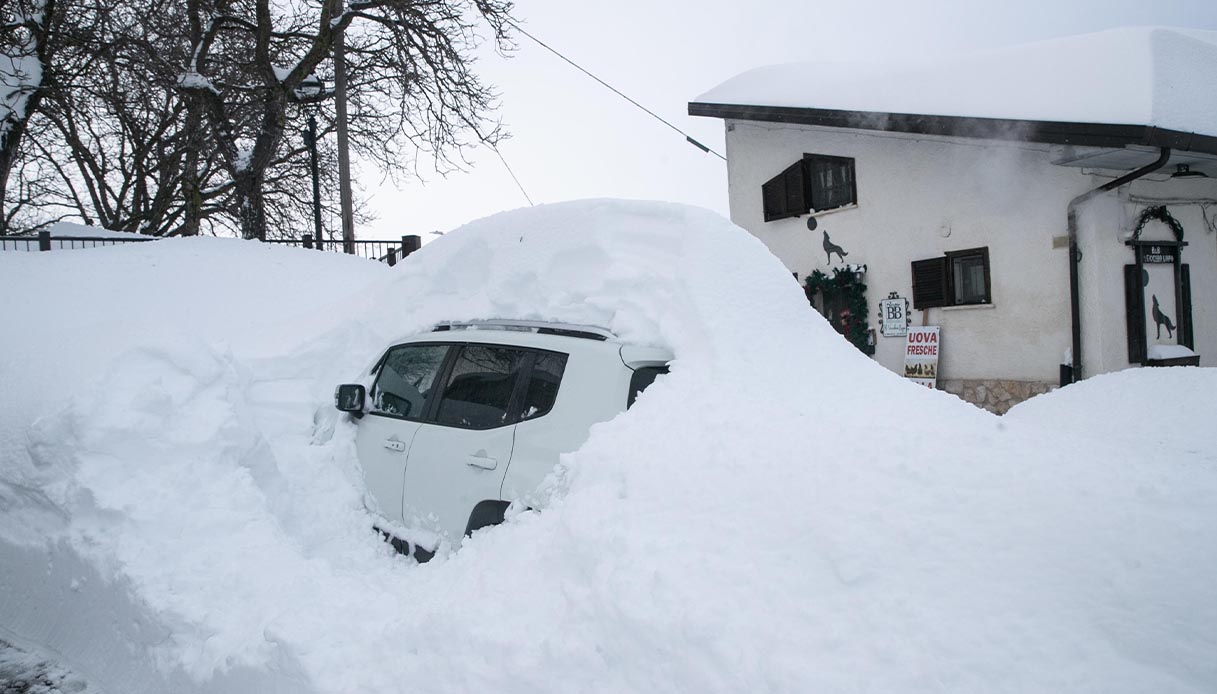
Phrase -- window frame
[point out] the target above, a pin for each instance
(810, 181)
(510, 416)
(378, 370)
(952, 256)
(430, 411)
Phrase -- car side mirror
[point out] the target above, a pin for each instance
(349, 397)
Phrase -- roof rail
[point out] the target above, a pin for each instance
(587, 332)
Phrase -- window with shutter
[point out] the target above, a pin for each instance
(817, 182)
(784, 195)
(958, 278)
(930, 283)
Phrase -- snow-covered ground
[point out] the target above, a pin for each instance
(180, 509)
(27, 673)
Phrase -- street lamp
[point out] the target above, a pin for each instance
(314, 86)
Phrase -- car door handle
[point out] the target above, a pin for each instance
(395, 445)
(480, 459)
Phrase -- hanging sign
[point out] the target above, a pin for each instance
(893, 316)
(921, 355)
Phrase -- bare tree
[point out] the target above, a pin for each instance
(115, 131)
(27, 44)
(182, 116)
(254, 62)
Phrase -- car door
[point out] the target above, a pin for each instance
(397, 404)
(460, 454)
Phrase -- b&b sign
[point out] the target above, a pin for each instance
(1158, 254)
(893, 316)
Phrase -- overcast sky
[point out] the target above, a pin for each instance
(572, 138)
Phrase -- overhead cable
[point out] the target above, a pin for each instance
(688, 137)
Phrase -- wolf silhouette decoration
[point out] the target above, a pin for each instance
(830, 248)
(1162, 319)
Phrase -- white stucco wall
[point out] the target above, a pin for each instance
(920, 196)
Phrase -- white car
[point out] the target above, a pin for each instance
(462, 421)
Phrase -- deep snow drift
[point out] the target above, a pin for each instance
(777, 514)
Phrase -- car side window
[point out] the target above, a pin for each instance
(547, 370)
(478, 391)
(642, 379)
(406, 376)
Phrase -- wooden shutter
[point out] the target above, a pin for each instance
(785, 195)
(930, 287)
(1134, 311)
(1185, 310)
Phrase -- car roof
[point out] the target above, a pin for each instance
(591, 332)
(566, 337)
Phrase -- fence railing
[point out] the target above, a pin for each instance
(45, 242)
(381, 250)
(373, 249)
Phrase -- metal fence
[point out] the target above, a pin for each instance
(45, 242)
(373, 249)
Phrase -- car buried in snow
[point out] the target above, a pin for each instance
(462, 421)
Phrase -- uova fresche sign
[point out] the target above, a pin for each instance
(921, 355)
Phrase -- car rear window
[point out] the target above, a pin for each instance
(547, 372)
(641, 380)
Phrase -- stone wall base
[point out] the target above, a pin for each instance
(994, 395)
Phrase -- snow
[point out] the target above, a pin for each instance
(1169, 352)
(245, 154)
(1154, 408)
(180, 509)
(26, 673)
(194, 80)
(83, 230)
(1134, 75)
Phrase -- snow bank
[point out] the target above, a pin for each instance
(27, 674)
(1132, 75)
(777, 514)
(1149, 408)
(72, 229)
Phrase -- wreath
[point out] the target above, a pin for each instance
(845, 289)
(1160, 213)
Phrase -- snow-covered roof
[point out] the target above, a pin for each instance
(62, 229)
(1147, 76)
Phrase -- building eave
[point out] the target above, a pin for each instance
(1051, 132)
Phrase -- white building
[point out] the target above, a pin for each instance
(954, 184)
